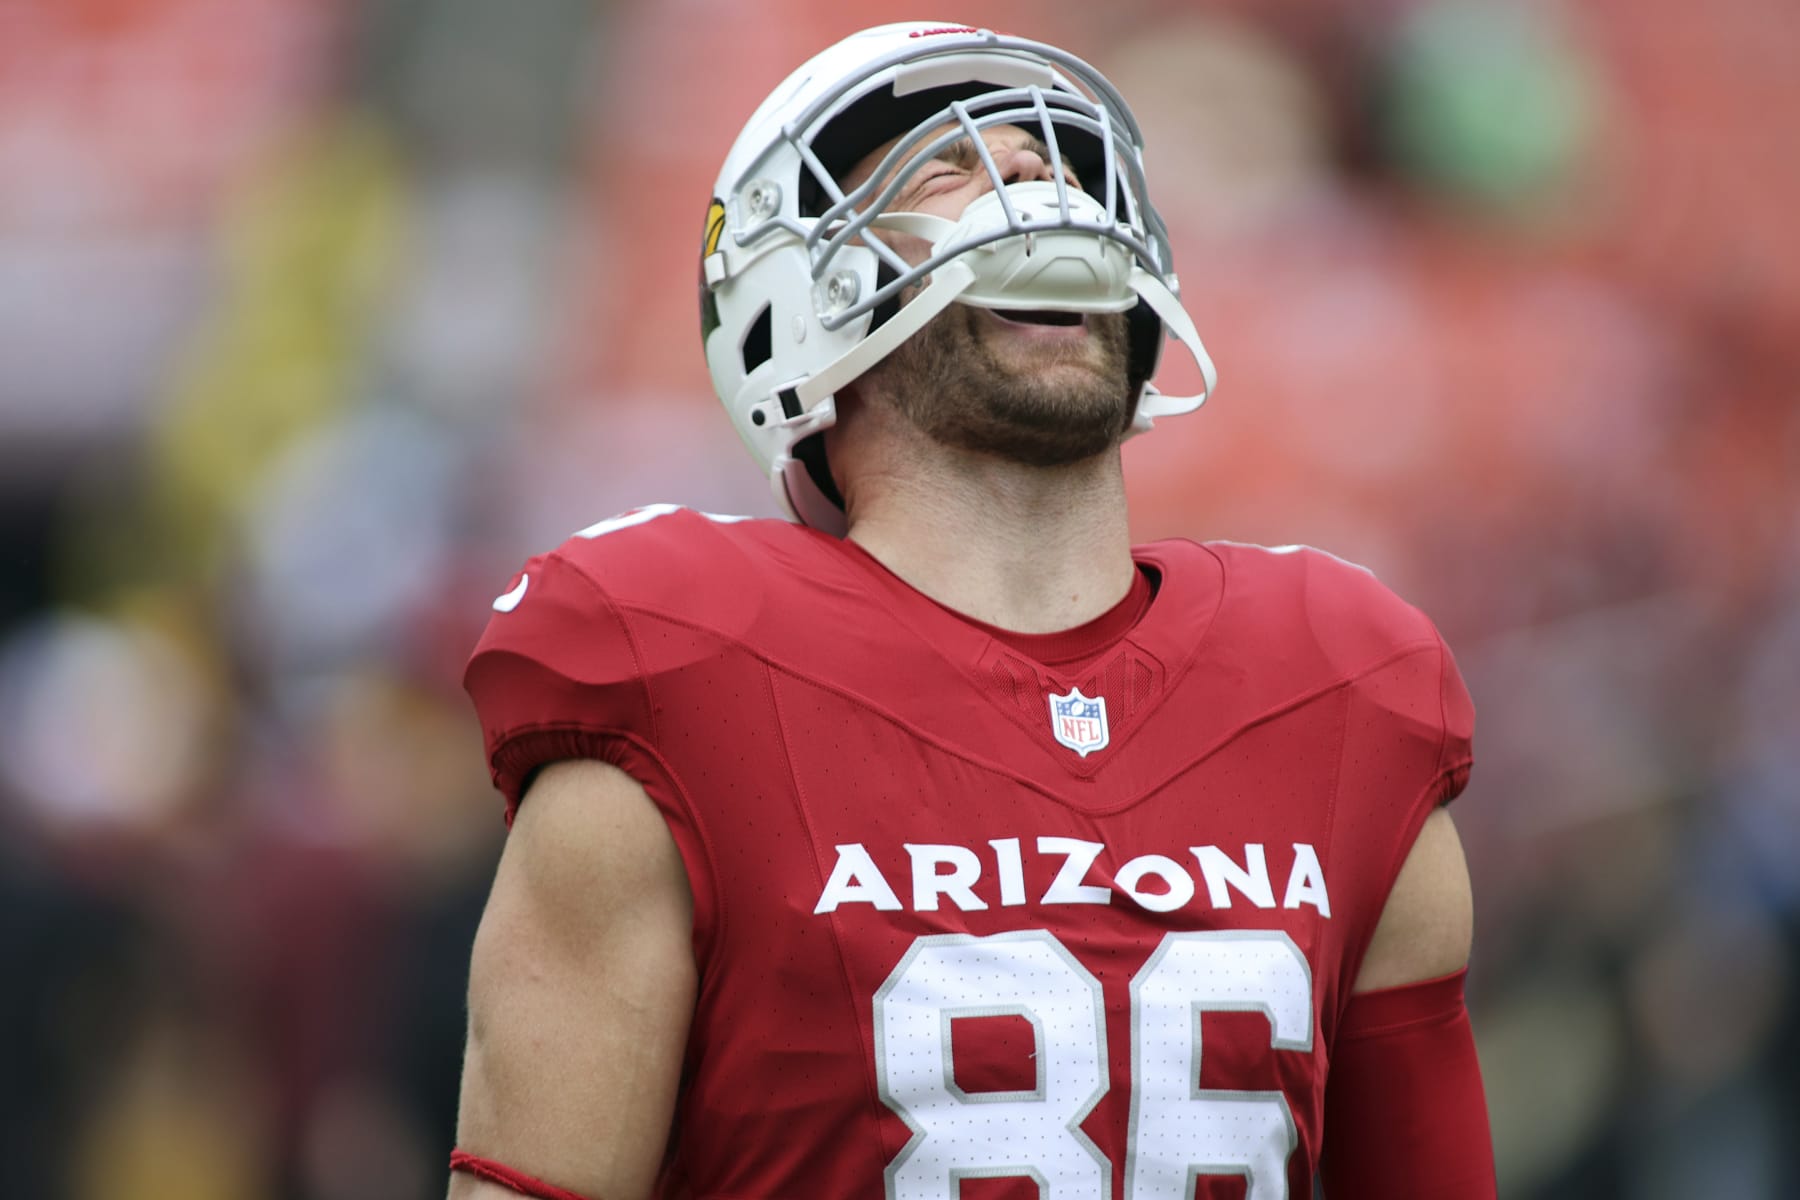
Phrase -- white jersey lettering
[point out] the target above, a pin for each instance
(975, 878)
(1179, 883)
(1067, 887)
(856, 880)
(1306, 882)
(1012, 871)
(929, 883)
(1222, 874)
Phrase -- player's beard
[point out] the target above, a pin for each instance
(1071, 401)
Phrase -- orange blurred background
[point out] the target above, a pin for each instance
(318, 317)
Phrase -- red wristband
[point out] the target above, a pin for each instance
(506, 1177)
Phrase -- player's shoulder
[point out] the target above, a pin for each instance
(1294, 622)
(1301, 590)
(664, 535)
(573, 612)
(661, 563)
(681, 561)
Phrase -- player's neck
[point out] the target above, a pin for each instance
(1029, 549)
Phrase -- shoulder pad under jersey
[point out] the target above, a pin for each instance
(559, 673)
(1343, 622)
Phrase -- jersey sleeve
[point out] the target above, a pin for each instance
(556, 676)
(1458, 754)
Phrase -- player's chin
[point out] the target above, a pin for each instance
(1072, 386)
(1049, 432)
(1078, 367)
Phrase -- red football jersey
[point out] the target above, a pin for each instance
(969, 923)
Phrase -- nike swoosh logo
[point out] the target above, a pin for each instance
(510, 600)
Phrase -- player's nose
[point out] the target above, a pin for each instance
(1020, 164)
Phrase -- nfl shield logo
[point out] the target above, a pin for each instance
(1079, 722)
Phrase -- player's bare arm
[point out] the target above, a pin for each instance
(580, 992)
(1427, 925)
(1405, 1112)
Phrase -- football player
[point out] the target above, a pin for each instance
(939, 842)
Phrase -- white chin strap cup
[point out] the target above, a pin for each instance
(1069, 268)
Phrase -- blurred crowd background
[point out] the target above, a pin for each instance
(318, 316)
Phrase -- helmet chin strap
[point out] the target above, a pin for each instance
(817, 394)
(1178, 325)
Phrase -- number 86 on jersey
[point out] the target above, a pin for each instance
(1178, 1130)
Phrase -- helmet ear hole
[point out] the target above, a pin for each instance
(757, 347)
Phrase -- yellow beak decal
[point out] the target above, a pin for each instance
(715, 227)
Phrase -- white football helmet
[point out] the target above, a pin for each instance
(796, 302)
